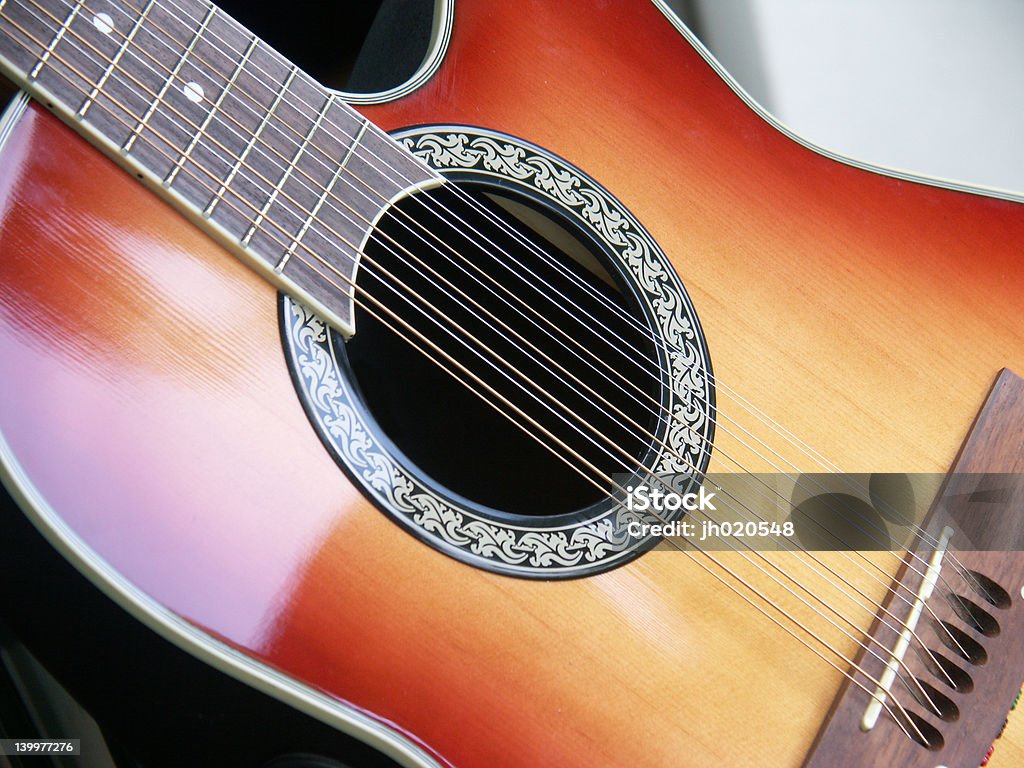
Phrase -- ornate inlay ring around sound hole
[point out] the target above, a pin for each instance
(556, 546)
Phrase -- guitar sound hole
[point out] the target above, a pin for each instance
(573, 363)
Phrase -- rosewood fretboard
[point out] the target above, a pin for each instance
(270, 162)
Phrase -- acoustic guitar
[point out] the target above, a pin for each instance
(352, 398)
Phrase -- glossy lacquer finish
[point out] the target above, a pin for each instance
(145, 394)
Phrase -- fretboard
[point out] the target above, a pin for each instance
(271, 163)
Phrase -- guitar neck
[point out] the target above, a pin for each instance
(265, 159)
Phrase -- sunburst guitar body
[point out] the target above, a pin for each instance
(183, 433)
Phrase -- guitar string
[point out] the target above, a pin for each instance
(834, 572)
(490, 389)
(892, 715)
(871, 694)
(847, 593)
(284, 159)
(946, 595)
(883, 571)
(513, 230)
(969, 578)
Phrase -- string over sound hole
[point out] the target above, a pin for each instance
(606, 362)
(559, 386)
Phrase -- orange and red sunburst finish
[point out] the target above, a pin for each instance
(145, 394)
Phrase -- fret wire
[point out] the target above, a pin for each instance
(125, 44)
(223, 191)
(332, 268)
(356, 118)
(324, 196)
(159, 100)
(350, 154)
(288, 171)
(167, 84)
(251, 143)
(48, 51)
(169, 179)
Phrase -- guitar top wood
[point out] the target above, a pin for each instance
(151, 428)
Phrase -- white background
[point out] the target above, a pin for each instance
(935, 87)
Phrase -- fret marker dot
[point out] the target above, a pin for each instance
(193, 92)
(103, 23)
